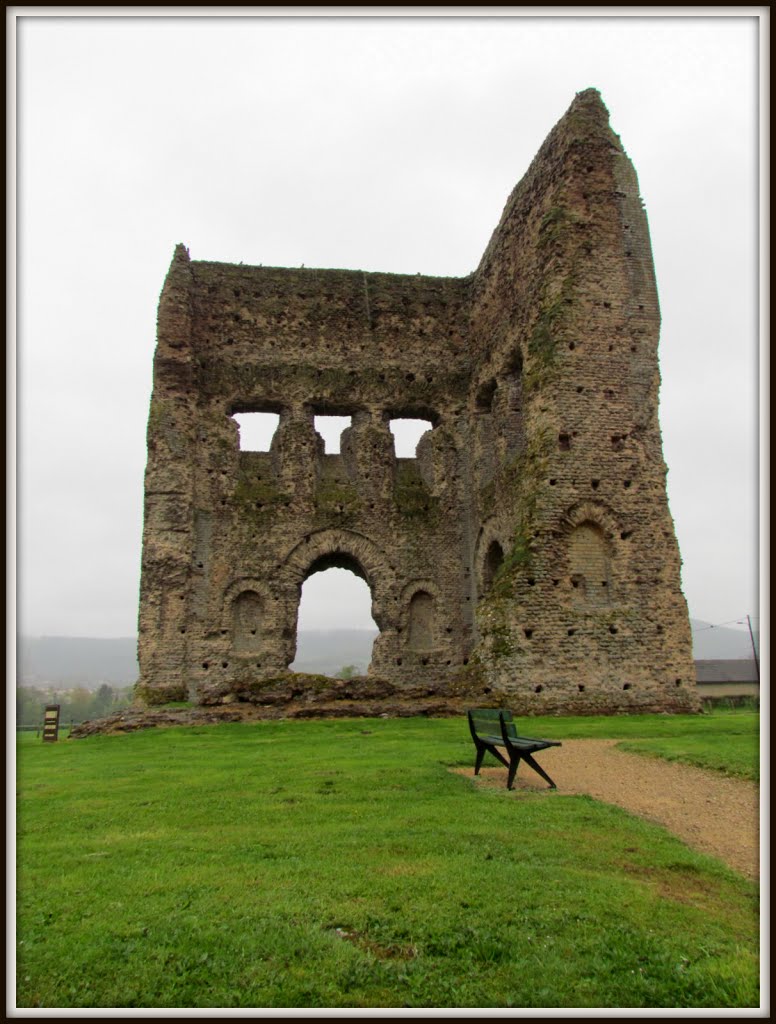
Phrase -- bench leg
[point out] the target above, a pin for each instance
(512, 772)
(482, 750)
(497, 754)
(537, 768)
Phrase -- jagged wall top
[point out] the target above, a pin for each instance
(585, 123)
(527, 551)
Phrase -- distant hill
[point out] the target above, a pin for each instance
(67, 661)
(89, 662)
(720, 642)
(76, 661)
(327, 651)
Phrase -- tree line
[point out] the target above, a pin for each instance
(76, 705)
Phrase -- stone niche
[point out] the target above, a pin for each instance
(525, 556)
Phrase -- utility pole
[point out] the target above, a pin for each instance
(754, 649)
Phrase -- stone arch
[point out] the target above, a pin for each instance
(491, 552)
(595, 512)
(364, 553)
(590, 529)
(242, 585)
(346, 549)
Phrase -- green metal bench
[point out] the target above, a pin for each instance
(493, 728)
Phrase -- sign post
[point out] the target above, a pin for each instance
(51, 723)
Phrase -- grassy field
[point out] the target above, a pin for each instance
(340, 864)
(723, 740)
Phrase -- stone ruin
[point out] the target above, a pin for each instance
(526, 556)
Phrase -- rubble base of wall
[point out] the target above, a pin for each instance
(296, 696)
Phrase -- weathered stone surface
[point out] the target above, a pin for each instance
(527, 554)
(136, 718)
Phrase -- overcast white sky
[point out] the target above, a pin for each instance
(379, 144)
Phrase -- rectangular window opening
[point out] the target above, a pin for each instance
(406, 435)
(256, 430)
(330, 428)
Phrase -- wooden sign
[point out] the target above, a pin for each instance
(51, 723)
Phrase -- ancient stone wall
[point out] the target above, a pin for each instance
(527, 553)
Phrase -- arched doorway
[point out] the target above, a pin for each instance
(335, 629)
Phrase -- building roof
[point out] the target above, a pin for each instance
(718, 670)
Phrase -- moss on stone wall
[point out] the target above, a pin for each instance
(587, 120)
(158, 415)
(470, 678)
(518, 484)
(488, 499)
(555, 224)
(502, 642)
(551, 319)
(159, 693)
(162, 425)
(413, 499)
(294, 682)
(278, 379)
(258, 500)
(336, 503)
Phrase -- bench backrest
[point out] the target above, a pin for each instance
(487, 721)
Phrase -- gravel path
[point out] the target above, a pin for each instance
(710, 812)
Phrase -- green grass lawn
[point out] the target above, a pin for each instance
(340, 864)
(725, 741)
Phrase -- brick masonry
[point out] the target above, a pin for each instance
(526, 555)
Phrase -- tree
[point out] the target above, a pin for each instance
(76, 705)
(347, 672)
(30, 702)
(102, 701)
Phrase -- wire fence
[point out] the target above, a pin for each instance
(37, 728)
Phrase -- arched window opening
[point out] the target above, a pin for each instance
(514, 366)
(421, 622)
(406, 435)
(247, 611)
(494, 559)
(256, 430)
(330, 428)
(335, 628)
(589, 564)
(485, 396)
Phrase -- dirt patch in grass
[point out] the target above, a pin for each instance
(381, 951)
(710, 812)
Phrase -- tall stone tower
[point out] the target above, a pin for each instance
(527, 553)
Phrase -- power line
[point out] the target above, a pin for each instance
(746, 621)
(732, 622)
